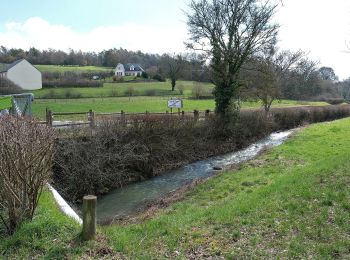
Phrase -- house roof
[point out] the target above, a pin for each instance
(137, 67)
(3, 67)
(6, 67)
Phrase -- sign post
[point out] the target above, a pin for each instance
(175, 103)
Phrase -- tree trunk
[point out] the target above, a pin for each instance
(173, 84)
(224, 98)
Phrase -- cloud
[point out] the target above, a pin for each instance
(320, 28)
(39, 33)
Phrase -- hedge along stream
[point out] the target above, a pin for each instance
(112, 156)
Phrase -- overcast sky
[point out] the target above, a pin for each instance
(320, 27)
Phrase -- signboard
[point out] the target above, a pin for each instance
(175, 103)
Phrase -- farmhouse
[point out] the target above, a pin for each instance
(128, 70)
(22, 73)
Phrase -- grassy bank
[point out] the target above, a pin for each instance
(49, 234)
(52, 235)
(292, 202)
(137, 105)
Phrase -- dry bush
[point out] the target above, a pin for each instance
(287, 118)
(26, 151)
(115, 155)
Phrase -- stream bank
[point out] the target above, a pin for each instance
(136, 197)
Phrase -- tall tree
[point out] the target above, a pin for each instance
(173, 66)
(269, 73)
(230, 31)
(327, 73)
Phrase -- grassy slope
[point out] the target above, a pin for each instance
(52, 235)
(291, 202)
(135, 105)
(48, 234)
(57, 68)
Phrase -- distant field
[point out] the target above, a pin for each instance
(119, 89)
(57, 68)
(136, 105)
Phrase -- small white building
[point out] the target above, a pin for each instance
(129, 69)
(23, 74)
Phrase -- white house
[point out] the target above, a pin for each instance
(23, 74)
(128, 70)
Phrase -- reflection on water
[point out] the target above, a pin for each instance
(131, 198)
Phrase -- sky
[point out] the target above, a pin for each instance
(319, 27)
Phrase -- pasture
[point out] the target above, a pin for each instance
(58, 68)
(123, 89)
(138, 105)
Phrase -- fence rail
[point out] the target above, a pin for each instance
(92, 117)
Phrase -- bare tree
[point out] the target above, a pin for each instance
(173, 67)
(230, 31)
(270, 72)
(26, 150)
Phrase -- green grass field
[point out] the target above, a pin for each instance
(119, 89)
(57, 68)
(291, 202)
(136, 105)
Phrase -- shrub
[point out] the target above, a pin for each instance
(197, 90)
(159, 78)
(130, 91)
(116, 155)
(68, 93)
(181, 88)
(49, 95)
(26, 155)
(67, 83)
(144, 75)
(150, 92)
(333, 101)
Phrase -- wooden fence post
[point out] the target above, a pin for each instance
(196, 115)
(122, 117)
(207, 114)
(91, 118)
(89, 217)
(49, 117)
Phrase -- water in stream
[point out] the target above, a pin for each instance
(135, 196)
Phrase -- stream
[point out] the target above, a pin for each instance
(134, 197)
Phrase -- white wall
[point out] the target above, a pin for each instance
(25, 75)
(120, 70)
